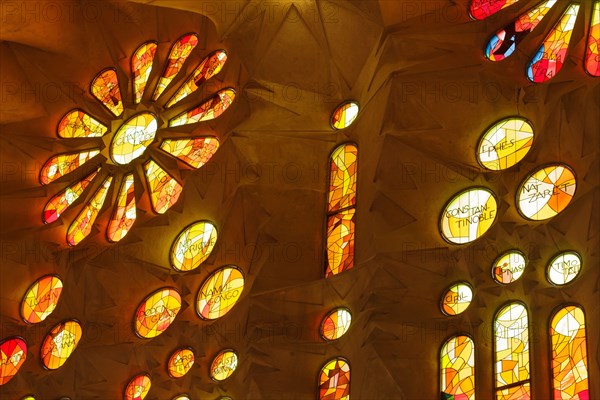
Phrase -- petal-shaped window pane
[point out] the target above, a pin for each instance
(164, 189)
(564, 268)
(505, 143)
(456, 299)
(336, 323)
(133, 138)
(509, 267)
(547, 192)
(224, 364)
(193, 245)
(209, 67)
(180, 362)
(82, 226)
(61, 201)
(78, 124)
(13, 352)
(220, 292)
(60, 343)
(138, 387)
(592, 52)
(105, 87)
(194, 152)
(344, 115)
(481, 9)
(340, 242)
(180, 51)
(468, 215)
(457, 363)
(334, 380)
(552, 54)
(124, 214)
(141, 66)
(157, 312)
(62, 164)
(210, 109)
(342, 177)
(41, 299)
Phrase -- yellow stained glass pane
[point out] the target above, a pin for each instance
(193, 245)
(180, 362)
(141, 66)
(505, 144)
(344, 115)
(546, 192)
(124, 214)
(180, 51)
(105, 87)
(62, 164)
(468, 215)
(509, 267)
(511, 335)
(78, 124)
(456, 299)
(592, 51)
(457, 363)
(61, 201)
(13, 353)
(340, 242)
(342, 177)
(194, 152)
(41, 299)
(564, 268)
(519, 392)
(224, 364)
(60, 343)
(82, 226)
(138, 387)
(157, 312)
(220, 292)
(133, 138)
(210, 109)
(164, 189)
(336, 323)
(334, 380)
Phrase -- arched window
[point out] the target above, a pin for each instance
(334, 380)
(457, 368)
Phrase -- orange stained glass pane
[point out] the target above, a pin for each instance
(78, 124)
(61, 201)
(336, 323)
(481, 9)
(468, 215)
(13, 352)
(141, 66)
(505, 144)
(164, 189)
(547, 192)
(511, 331)
(194, 152)
(105, 87)
(457, 373)
(340, 242)
(457, 298)
(209, 67)
(138, 387)
(509, 267)
(220, 292)
(334, 380)
(62, 164)
(210, 109)
(224, 364)
(60, 343)
(81, 227)
(41, 299)
(177, 57)
(157, 312)
(344, 115)
(180, 362)
(193, 245)
(552, 54)
(342, 177)
(592, 52)
(124, 213)
(569, 354)
(519, 392)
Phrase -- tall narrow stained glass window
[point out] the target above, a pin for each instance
(592, 52)
(334, 380)
(341, 209)
(481, 9)
(82, 226)
(62, 200)
(141, 66)
(164, 189)
(105, 87)
(180, 51)
(124, 213)
(210, 109)
(457, 373)
(78, 124)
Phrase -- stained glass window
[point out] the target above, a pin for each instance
(105, 87)
(133, 137)
(219, 293)
(344, 115)
(62, 164)
(552, 54)
(336, 323)
(569, 354)
(511, 330)
(60, 343)
(164, 189)
(457, 363)
(78, 124)
(124, 213)
(157, 312)
(194, 152)
(182, 397)
(505, 143)
(468, 215)
(342, 177)
(13, 352)
(209, 67)
(141, 66)
(564, 268)
(506, 40)
(81, 227)
(61, 201)
(340, 242)
(592, 52)
(210, 109)
(193, 245)
(334, 380)
(224, 364)
(177, 57)
(456, 299)
(546, 192)
(180, 362)
(41, 299)
(481, 9)
(138, 387)
(509, 267)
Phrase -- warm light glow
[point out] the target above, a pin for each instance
(509, 267)
(457, 363)
(63, 164)
(141, 66)
(194, 152)
(456, 299)
(210, 109)
(343, 171)
(60, 343)
(224, 364)
(344, 115)
(133, 138)
(105, 87)
(564, 268)
(180, 51)
(547, 192)
(220, 292)
(81, 227)
(157, 312)
(336, 323)
(505, 144)
(481, 9)
(334, 380)
(62, 200)
(592, 51)
(41, 299)
(468, 215)
(180, 362)
(13, 352)
(193, 246)
(124, 214)
(78, 124)
(164, 189)
(340, 242)
(138, 387)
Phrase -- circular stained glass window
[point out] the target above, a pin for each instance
(456, 298)
(224, 364)
(564, 268)
(13, 353)
(60, 343)
(193, 245)
(505, 143)
(180, 362)
(41, 299)
(468, 215)
(138, 387)
(336, 323)
(157, 312)
(509, 267)
(133, 138)
(219, 293)
(344, 115)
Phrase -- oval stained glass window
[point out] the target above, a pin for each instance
(41, 299)
(180, 362)
(193, 246)
(334, 380)
(468, 215)
(182, 397)
(509, 267)
(546, 193)
(336, 323)
(344, 115)
(13, 353)
(224, 364)
(133, 138)
(138, 387)
(456, 299)
(219, 293)
(157, 312)
(564, 268)
(60, 343)
(505, 143)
